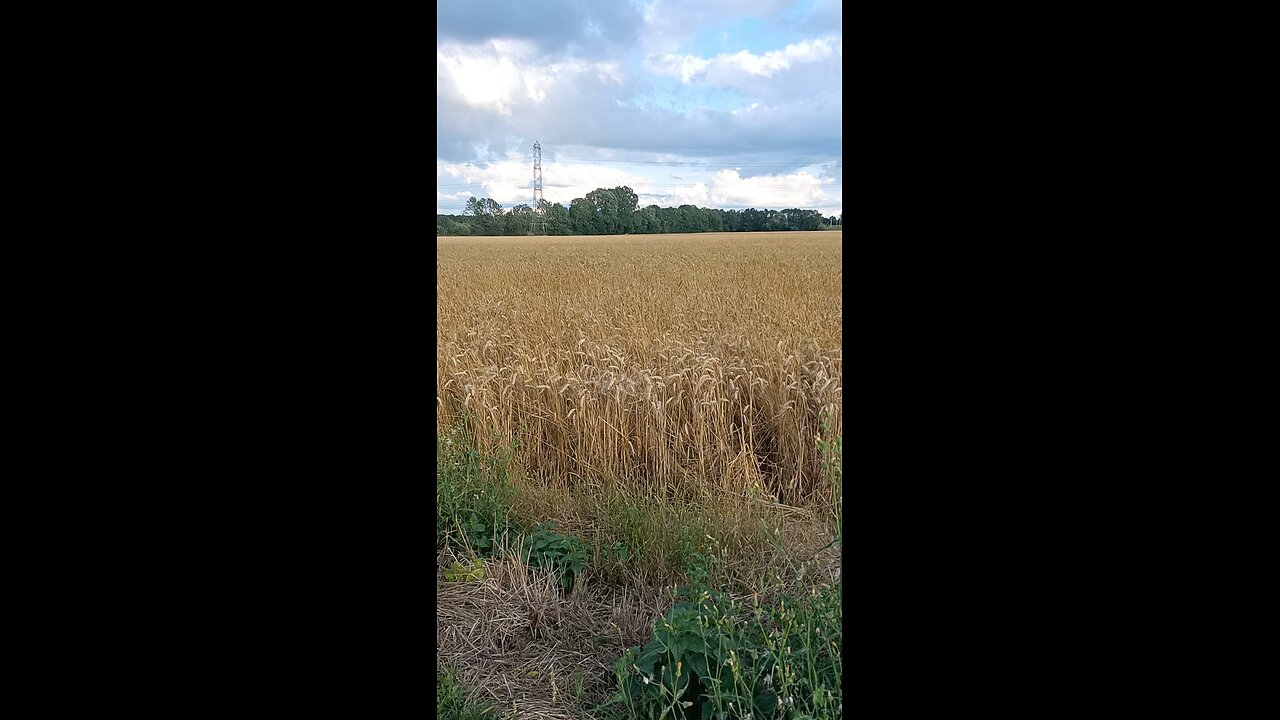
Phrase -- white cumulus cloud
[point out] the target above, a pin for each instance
(744, 69)
(499, 75)
(798, 189)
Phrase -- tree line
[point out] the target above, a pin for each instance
(616, 211)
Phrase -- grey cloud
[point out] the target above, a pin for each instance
(671, 23)
(574, 27)
(584, 113)
(798, 120)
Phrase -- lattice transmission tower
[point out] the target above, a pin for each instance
(539, 216)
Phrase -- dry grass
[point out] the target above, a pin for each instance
(537, 652)
(675, 362)
(527, 645)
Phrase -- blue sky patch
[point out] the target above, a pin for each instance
(751, 34)
(671, 94)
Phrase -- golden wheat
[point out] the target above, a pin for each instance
(663, 359)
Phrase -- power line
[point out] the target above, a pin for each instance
(642, 183)
(646, 183)
(473, 182)
(656, 162)
(684, 163)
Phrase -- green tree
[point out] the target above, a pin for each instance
(626, 202)
(616, 211)
(647, 221)
(688, 219)
(581, 217)
(557, 218)
(604, 205)
(487, 213)
(753, 220)
(519, 221)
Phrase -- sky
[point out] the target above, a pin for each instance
(714, 103)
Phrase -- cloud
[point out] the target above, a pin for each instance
(727, 189)
(587, 87)
(745, 70)
(497, 94)
(499, 74)
(553, 27)
(670, 24)
(681, 66)
(799, 189)
(485, 79)
(511, 182)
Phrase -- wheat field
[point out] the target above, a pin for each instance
(682, 361)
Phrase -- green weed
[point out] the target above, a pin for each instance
(473, 495)
(832, 454)
(562, 553)
(714, 659)
(454, 702)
